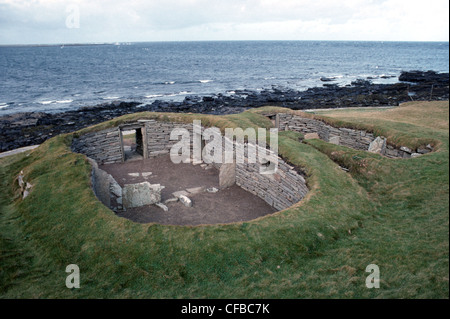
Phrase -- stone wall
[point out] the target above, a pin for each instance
(281, 189)
(106, 188)
(158, 136)
(357, 139)
(105, 147)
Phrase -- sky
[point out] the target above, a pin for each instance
(100, 21)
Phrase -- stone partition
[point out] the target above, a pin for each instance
(280, 190)
(357, 139)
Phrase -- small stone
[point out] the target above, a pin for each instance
(180, 193)
(195, 190)
(162, 206)
(423, 150)
(20, 180)
(212, 190)
(310, 136)
(406, 149)
(171, 200)
(414, 155)
(186, 201)
(25, 194)
(146, 174)
(133, 174)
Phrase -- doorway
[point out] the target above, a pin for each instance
(133, 145)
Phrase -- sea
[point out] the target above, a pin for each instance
(56, 78)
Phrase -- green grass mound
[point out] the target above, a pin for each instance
(393, 213)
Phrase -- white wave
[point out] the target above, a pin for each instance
(46, 102)
(177, 94)
(205, 81)
(169, 82)
(3, 105)
(63, 101)
(111, 98)
(151, 96)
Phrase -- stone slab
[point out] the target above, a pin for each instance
(141, 194)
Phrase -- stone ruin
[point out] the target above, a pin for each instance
(353, 138)
(280, 190)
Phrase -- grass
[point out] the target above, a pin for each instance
(390, 212)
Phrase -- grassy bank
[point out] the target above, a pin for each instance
(393, 213)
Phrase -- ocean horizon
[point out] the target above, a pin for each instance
(61, 77)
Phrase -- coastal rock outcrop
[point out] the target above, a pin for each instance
(31, 128)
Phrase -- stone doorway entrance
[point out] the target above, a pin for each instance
(133, 142)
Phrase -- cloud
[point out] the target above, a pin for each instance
(39, 21)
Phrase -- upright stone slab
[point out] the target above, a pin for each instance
(141, 194)
(334, 140)
(378, 145)
(310, 136)
(227, 175)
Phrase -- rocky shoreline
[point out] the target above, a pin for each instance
(24, 129)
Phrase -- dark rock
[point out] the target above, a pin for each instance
(421, 76)
(361, 82)
(208, 99)
(23, 129)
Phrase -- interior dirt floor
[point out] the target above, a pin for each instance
(229, 205)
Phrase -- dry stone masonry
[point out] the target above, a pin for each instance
(281, 189)
(105, 147)
(357, 139)
(106, 188)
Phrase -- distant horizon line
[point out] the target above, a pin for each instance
(193, 41)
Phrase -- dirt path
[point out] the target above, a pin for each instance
(18, 150)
